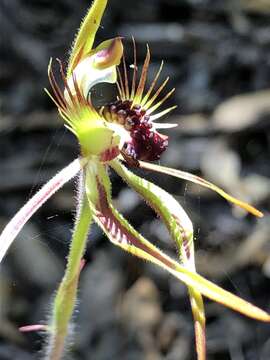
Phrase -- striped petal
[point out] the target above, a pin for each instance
(181, 230)
(122, 234)
(25, 213)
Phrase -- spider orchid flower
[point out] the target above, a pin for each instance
(124, 132)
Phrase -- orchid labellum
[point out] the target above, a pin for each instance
(120, 135)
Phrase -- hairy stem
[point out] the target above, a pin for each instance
(66, 295)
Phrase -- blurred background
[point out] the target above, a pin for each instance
(217, 54)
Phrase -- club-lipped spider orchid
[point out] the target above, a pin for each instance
(121, 133)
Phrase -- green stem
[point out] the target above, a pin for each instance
(65, 299)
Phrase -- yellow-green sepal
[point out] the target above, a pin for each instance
(84, 40)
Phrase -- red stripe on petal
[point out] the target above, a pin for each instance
(119, 232)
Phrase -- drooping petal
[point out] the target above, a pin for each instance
(84, 40)
(168, 209)
(122, 234)
(197, 180)
(24, 214)
(180, 228)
